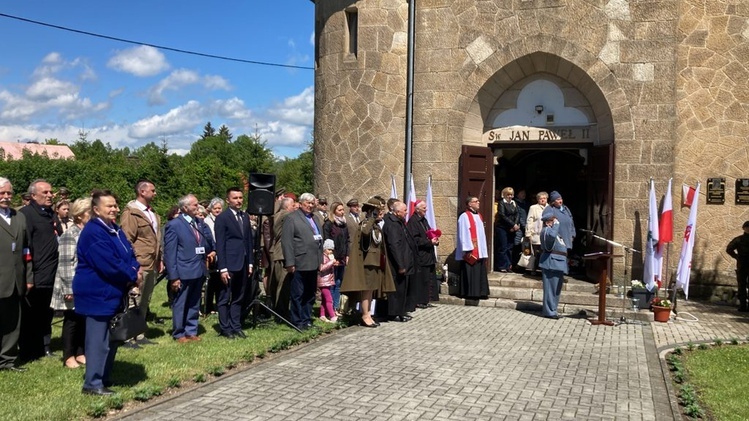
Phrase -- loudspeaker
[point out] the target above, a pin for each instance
(261, 198)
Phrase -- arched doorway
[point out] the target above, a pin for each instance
(544, 132)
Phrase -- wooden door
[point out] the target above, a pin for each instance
(600, 205)
(476, 179)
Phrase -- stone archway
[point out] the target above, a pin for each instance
(581, 69)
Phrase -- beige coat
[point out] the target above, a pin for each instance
(145, 240)
(364, 271)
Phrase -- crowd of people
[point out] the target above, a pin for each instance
(88, 260)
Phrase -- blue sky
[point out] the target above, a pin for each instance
(55, 83)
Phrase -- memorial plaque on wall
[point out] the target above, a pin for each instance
(716, 191)
(742, 191)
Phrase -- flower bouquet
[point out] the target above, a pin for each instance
(433, 233)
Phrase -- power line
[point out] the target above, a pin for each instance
(176, 50)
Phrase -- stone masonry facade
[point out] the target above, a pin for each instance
(667, 82)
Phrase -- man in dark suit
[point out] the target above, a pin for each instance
(188, 247)
(36, 327)
(401, 249)
(301, 241)
(234, 245)
(15, 273)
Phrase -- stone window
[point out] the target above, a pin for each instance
(352, 33)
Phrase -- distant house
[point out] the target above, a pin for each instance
(13, 150)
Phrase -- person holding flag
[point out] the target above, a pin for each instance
(738, 248)
(650, 274)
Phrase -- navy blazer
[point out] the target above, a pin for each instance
(180, 242)
(233, 247)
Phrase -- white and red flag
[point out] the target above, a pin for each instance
(683, 270)
(650, 273)
(687, 195)
(411, 199)
(430, 205)
(665, 234)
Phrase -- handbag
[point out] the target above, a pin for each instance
(528, 260)
(525, 260)
(127, 324)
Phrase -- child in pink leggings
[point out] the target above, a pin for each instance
(326, 280)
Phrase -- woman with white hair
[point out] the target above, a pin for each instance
(533, 227)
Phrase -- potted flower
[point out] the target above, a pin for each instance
(661, 309)
(641, 293)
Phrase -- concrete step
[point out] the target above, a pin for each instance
(523, 288)
(514, 280)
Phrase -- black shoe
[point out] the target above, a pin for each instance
(14, 369)
(422, 306)
(227, 335)
(553, 317)
(240, 334)
(131, 345)
(50, 354)
(362, 324)
(430, 305)
(145, 341)
(97, 392)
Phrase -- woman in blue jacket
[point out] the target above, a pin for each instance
(553, 264)
(106, 270)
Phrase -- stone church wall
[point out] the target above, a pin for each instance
(668, 82)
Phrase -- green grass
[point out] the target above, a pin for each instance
(721, 377)
(47, 391)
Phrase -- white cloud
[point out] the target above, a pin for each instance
(140, 61)
(280, 133)
(48, 88)
(286, 126)
(181, 78)
(232, 108)
(176, 120)
(49, 94)
(298, 109)
(312, 39)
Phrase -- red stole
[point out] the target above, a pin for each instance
(474, 234)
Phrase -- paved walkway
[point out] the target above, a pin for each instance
(458, 363)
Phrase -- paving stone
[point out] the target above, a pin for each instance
(463, 362)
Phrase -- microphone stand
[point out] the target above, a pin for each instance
(627, 250)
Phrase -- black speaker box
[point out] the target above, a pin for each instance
(262, 195)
